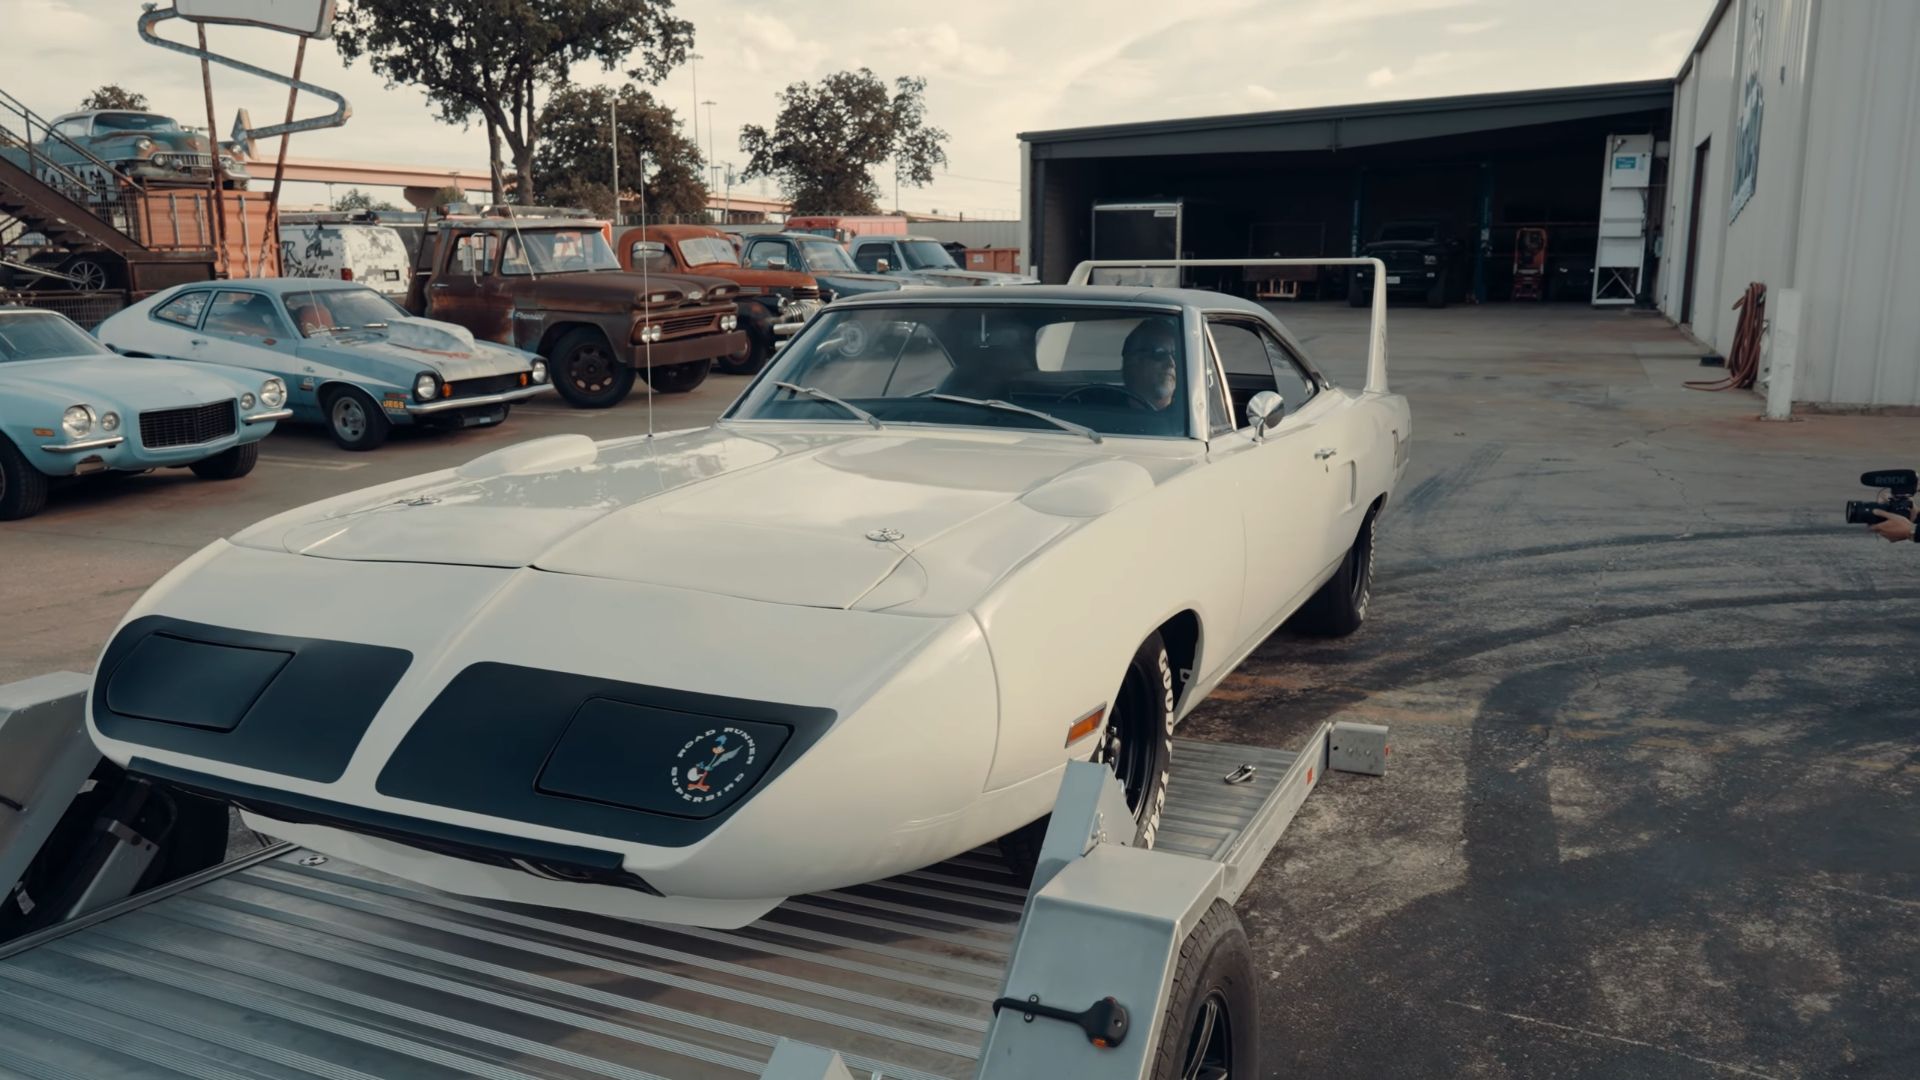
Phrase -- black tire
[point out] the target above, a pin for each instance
(1437, 292)
(231, 464)
(1137, 743)
(586, 372)
(1340, 606)
(1357, 294)
(679, 378)
(23, 488)
(354, 419)
(751, 359)
(1207, 1030)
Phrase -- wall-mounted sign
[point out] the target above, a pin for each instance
(308, 18)
(1746, 134)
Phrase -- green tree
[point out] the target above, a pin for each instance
(355, 199)
(445, 195)
(829, 135)
(574, 149)
(497, 59)
(114, 96)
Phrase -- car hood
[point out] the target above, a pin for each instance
(852, 284)
(876, 521)
(129, 383)
(445, 348)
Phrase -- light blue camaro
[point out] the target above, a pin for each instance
(351, 358)
(69, 407)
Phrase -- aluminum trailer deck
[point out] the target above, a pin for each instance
(287, 964)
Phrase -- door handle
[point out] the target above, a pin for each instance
(1323, 453)
(197, 341)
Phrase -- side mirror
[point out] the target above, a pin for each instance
(881, 266)
(1265, 410)
(776, 262)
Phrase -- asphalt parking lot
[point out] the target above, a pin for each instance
(1651, 811)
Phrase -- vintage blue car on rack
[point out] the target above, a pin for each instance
(351, 358)
(69, 407)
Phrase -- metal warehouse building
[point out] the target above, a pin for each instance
(1786, 152)
(1322, 181)
(1796, 164)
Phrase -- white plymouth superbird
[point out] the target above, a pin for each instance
(943, 544)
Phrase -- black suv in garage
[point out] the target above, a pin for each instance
(1422, 258)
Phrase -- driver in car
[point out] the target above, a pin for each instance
(1148, 361)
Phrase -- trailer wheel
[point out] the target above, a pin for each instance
(1136, 743)
(1340, 606)
(1208, 1028)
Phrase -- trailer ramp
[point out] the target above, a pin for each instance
(291, 965)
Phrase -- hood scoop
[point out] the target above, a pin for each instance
(535, 455)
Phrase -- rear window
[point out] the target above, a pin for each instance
(184, 309)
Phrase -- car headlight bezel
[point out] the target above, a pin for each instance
(539, 371)
(78, 421)
(273, 393)
(109, 421)
(246, 399)
(426, 386)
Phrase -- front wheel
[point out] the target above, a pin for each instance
(586, 372)
(753, 355)
(679, 378)
(1340, 606)
(355, 421)
(230, 464)
(1136, 743)
(23, 488)
(1208, 1027)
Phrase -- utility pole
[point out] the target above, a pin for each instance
(713, 167)
(709, 104)
(613, 137)
(693, 65)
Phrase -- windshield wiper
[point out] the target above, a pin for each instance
(822, 395)
(1008, 406)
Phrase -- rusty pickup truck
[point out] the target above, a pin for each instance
(552, 285)
(772, 304)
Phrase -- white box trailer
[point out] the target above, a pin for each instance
(286, 963)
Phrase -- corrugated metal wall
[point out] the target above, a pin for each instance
(1859, 242)
(1835, 208)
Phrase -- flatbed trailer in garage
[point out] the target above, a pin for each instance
(288, 964)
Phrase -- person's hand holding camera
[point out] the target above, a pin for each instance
(1892, 526)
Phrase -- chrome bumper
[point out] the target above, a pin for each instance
(268, 417)
(504, 398)
(82, 447)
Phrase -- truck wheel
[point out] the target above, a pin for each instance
(679, 378)
(1137, 744)
(230, 464)
(1357, 294)
(587, 373)
(1340, 606)
(1437, 292)
(354, 419)
(1207, 1030)
(23, 488)
(751, 359)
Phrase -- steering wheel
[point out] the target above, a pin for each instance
(1109, 388)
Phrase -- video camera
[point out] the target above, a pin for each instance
(1900, 485)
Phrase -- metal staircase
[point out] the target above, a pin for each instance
(91, 227)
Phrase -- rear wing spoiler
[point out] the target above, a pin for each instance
(1377, 327)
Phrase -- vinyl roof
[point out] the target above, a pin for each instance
(1335, 127)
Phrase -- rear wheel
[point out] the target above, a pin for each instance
(354, 420)
(1207, 1032)
(587, 373)
(230, 464)
(679, 378)
(1136, 743)
(23, 488)
(1340, 606)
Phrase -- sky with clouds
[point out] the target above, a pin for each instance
(994, 67)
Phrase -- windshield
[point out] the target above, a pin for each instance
(1410, 230)
(557, 251)
(827, 255)
(42, 335)
(333, 311)
(1116, 370)
(133, 121)
(927, 255)
(705, 250)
